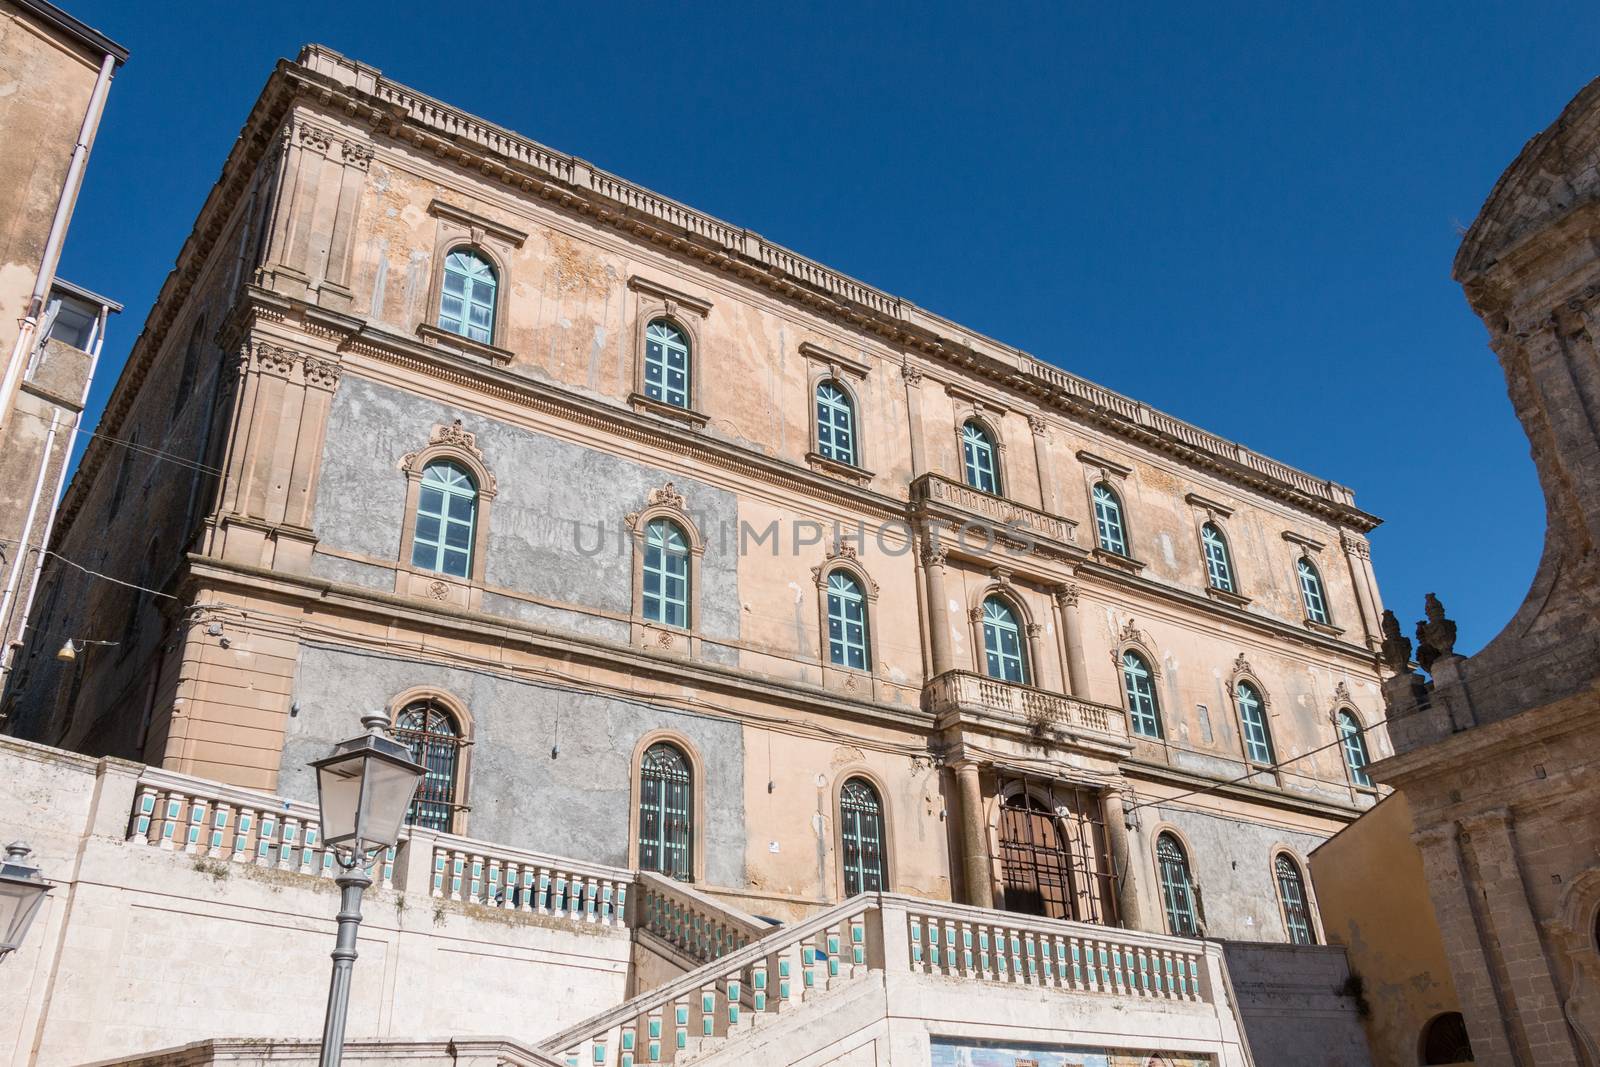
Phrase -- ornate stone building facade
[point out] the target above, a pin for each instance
(55, 74)
(670, 548)
(1495, 753)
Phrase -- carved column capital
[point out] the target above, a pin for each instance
(1037, 424)
(1067, 594)
(933, 554)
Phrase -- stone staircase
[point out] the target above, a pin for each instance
(841, 979)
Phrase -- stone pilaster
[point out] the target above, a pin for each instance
(1358, 557)
(1048, 500)
(1124, 859)
(312, 238)
(274, 457)
(913, 380)
(933, 564)
(1070, 626)
(976, 866)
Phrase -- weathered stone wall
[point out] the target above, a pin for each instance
(574, 803)
(1295, 1005)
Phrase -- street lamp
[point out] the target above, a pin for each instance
(363, 791)
(22, 890)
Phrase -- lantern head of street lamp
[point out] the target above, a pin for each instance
(22, 890)
(364, 790)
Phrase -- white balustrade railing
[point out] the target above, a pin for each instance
(1000, 511)
(510, 879)
(698, 926)
(989, 946)
(776, 972)
(220, 822)
(965, 690)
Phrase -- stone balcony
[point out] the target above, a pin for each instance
(955, 694)
(1010, 522)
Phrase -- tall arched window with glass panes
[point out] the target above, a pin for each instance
(466, 303)
(836, 423)
(1219, 565)
(980, 458)
(427, 728)
(861, 838)
(1139, 686)
(666, 812)
(1177, 887)
(1253, 724)
(1311, 591)
(666, 574)
(1353, 741)
(666, 364)
(446, 520)
(847, 622)
(1108, 522)
(1005, 655)
(1292, 898)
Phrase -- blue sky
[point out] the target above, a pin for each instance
(1242, 215)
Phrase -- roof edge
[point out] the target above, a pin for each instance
(79, 31)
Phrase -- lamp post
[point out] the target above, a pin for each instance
(22, 890)
(363, 791)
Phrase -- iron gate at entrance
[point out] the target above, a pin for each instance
(1054, 856)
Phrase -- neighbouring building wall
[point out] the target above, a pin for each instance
(1495, 752)
(1296, 1005)
(54, 74)
(1373, 892)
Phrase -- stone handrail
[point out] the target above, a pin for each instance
(767, 975)
(1000, 511)
(964, 689)
(890, 932)
(993, 946)
(698, 926)
(200, 817)
(205, 818)
(513, 879)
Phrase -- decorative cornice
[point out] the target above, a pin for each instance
(1205, 503)
(1109, 466)
(479, 225)
(1310, 543)
(674, 299)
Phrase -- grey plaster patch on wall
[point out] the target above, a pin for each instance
(352, 572)
(576, 804)
(1232, 863)
(552, 497)
(556, 618)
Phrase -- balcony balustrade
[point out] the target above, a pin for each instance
(961, 503)
(964, 691)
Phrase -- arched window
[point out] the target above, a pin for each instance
(1219, 567)
(861, 838)
(1444, 1040)
(1108, 522)
(666, 364)
(666, 812)
(1005, 656)
(1137, 683)
(1311, 591)
(466, 304)
(979, 456)
(847, 622)
(447, 516)
(666, 574)
(1177, 887)
(1253, 721)
(1355, 749)
(1292, 896)
(428, 729)
(836, 424)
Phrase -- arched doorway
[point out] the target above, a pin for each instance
(1052, 852)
